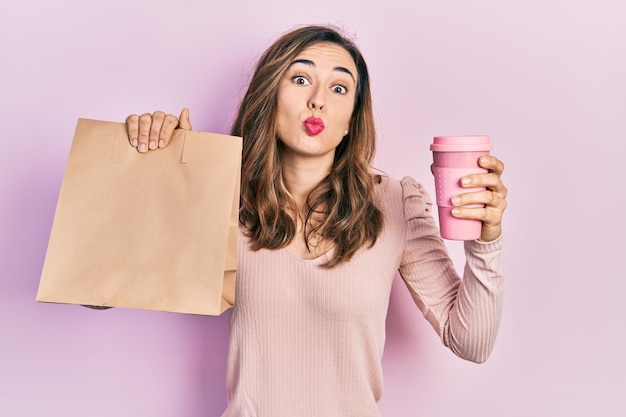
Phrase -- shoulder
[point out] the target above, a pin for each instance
(406, 195)
(407, 187)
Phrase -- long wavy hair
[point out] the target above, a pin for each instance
(340, 209)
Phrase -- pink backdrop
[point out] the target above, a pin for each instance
(544, 78)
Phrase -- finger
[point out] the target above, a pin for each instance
(474, 213)
(489, 216)
(132, 124)
(145, 123)
(183, 121)
(491, 163)
(169, 124)
(490, 180)
(432, 169)
(485, 197)
(158, 117)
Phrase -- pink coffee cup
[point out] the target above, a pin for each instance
(455, 157)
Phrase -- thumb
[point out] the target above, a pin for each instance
(183, 120)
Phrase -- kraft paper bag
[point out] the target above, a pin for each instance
(155, 231)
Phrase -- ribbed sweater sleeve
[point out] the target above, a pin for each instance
(464, 312)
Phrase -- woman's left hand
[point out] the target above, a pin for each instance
(493, 198)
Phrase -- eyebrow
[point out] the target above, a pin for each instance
(311, 63)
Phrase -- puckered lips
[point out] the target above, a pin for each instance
(313, 125)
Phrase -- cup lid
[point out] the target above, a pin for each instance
(474, 143)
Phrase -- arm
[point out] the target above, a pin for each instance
(466, 312)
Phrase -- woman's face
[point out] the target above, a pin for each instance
(315, 102)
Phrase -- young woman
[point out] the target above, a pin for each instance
(322, 237)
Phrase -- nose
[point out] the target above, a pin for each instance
(317, 101)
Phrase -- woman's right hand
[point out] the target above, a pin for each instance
(154, 130)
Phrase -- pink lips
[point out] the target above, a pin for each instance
(314, 125)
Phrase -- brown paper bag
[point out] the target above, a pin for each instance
(156, 231)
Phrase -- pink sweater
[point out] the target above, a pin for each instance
(307, 341)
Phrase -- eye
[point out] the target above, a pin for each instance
(339, 89)
(300, 80)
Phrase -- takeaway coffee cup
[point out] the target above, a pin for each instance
(455, 157)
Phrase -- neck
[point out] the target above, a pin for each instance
(301, 175)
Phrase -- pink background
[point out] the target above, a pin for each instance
(545, 79)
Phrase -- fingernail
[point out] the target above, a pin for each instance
(153, 144)
(466, 180)
(456, 212)
(483, 160)
(161, 143)
(142, 147)
(456, 200)
(134, 142)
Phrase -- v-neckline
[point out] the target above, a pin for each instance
(318, 260)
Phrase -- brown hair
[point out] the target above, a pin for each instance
(345, 198)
